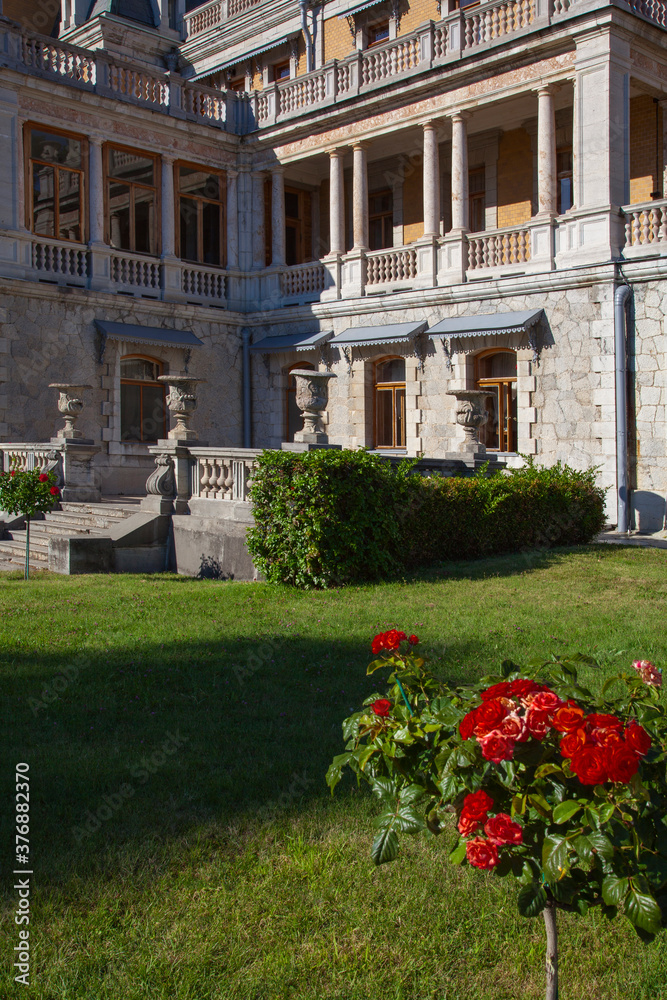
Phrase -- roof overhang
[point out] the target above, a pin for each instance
(491, 324)
(244, 56)
(291, 342)
(370, 336)
(356, 8)
(151, 335)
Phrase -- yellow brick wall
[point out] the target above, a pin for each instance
(415, 13)
(338, 41)
(643, 180)
(34, 15)
(257, 83)
(413, 207)
(515, 178)
(302, 62)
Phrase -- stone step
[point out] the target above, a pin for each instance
(13, 550)
(103, 509)
(50, 529)
(74, 519)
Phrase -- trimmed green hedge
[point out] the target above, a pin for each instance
(327, 518)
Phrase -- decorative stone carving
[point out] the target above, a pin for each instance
(312, 395)
(162, 480)
(182, 401)
(471, 415)
(70, 405)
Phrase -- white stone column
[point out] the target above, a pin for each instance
(96, 191)
(168, 207)
(258, 233)
(277, 217)
(336, 202)
(232, 220)
(431, 180)
(547, 201)
(360, 196)
(460, 171)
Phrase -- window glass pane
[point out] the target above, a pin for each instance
(189, 229)
(131, 167)
(501, 365)
(400, 418)
(119, 216)
(69, 216)
(130, 412)
(291, 244)
(55, 148)
(139, 368)
(144, 221)
(390, 371)
(488, 432)
(384, 418)
(152, 424)
(196, 182)
(43, 207)
(291, 204)
(375, 234)
(211, 232)
(378, 33)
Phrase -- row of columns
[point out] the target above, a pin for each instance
(546, 170)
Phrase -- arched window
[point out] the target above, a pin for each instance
(495, 372)
(389, 394)
(293, 417)
(142, 400)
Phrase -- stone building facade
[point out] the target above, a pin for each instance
(249, 186)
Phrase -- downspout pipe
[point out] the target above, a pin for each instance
(303, 5)
(621, 297)
(247, 411)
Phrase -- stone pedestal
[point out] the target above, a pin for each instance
(70, 404)
(182, 402)
(471, 415)
(80, 477)
(169, 486)
(312, 394)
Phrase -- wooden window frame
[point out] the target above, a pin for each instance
(27, 181)
(283, 64)
(302, 223)
(200, 203)
(141, 383)
(157, 186)
(393, 386)
(567, 148)
(372, 216)
(306, 365)
(477, 196)
(384, 25)
(504, 437)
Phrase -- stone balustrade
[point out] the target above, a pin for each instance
(26, 457)
(645, 225)
(66, 263)
(222, 473)
(303, 281)
(396, 267)
(500, 248)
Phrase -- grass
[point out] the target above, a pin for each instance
(223, 868)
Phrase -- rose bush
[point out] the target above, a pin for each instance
(28, 493)
(550, 784)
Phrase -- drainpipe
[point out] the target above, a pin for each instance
(621, 297)
(303, 5)
(247, 413)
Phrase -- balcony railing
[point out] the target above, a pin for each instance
(502, 248)
(645, 224)
(222, 473)
(396, 267)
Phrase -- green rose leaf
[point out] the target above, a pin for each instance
(458, 854)
(614, 889)
(335, 768)
(532, 899)
(554, 856)
(643, 911)
(566, 810)
(601, 845)
(385, 847)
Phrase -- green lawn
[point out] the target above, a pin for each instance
(225, 869)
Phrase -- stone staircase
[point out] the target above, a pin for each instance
(70, 520)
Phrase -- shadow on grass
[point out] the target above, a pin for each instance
(510, 564)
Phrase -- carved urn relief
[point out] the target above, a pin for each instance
(312, 396)
(182, 402)
(471, 415)
(70, 404)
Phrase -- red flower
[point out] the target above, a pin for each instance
(489, 715)
(54, 491)
(467, 725)
(603, 721)
(413, 640)
(546, 701)
(13, 472)
(606, 737)
(538, 723)
(573, 742)
(637, 738)
(387, 640)
(622, 763)
(382, 706)
(523, 686)
(477, 805)
(501, 690)
(590, 765)
(43, 478)
(648, 673)
(482, 853)
(568, 718)
(496, 747)
(501, 830)
(515, 727)
(468, 824)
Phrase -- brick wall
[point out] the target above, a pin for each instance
(257, 83)
(338, 41)
(415, 13)
(515, 178)
(643, 180)
(301, 60)
(413, 207)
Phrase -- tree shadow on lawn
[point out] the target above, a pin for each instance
(509, 564)
(129, 746)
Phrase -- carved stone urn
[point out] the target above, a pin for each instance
(312, 395)
(471, 415)
(182, 402)
(70, 404)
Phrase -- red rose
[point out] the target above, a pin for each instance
(501, 830)
(538, 723)
(13, 472)
(515, 727)
(477, 805)
(546, 701)
(602, 721)
(489, 715)
(467, 725)
(496, 747)
(413, 640)
(568, 718)
(622, 763)
(606, 737)
(496, 691)
(522, 686)
(482, 853)
(54, 491)
(468, 824)
(43, 478)
(637, 738)
(382, 706)
(648, 673)
(573, 742)
(590, 765)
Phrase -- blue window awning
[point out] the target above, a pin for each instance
(147, 334)
(486, 325)
(292, 342)
(371, 336)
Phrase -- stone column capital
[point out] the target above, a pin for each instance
(360, 144)
(168, 158)
(337, 151)
(96, 140)
(231, 173)
(430, 124)
(277, 169)
(546, 89)
(460, 116)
